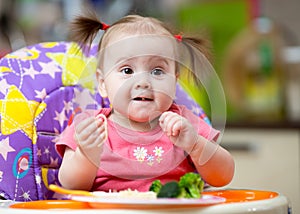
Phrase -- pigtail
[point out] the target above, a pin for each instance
(200, 44)
(85, 28)
(197, 44)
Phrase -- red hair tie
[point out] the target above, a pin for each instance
(178, 37)
(104, 26)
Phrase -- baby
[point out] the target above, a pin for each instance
(144, 135)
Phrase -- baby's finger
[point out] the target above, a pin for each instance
(176, 128)
(163, 116)
(89, 140)
(84, 130)
(81, 125)
(100, 139)
(103, 118)
(173, 124)
(168, 122)
(79, 118)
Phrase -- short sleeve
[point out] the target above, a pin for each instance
(66, 139)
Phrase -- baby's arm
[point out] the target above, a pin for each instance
(214, 163)
(79, 168)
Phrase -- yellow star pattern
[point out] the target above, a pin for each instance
(5, 69)
(18, 113)
(77, 68)
(49, 44)
(45, 176)
(24, 54)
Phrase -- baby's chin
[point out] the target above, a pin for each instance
(145, 118)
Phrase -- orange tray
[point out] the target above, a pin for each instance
(235, 196)
(51, 204)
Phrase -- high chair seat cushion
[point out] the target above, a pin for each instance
(41, 87)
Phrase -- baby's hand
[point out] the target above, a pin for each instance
(90, 134)
(180, 131)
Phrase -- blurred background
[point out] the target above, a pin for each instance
(256, 53)
(255, 44)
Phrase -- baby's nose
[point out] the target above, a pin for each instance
(142, 81)
(143, 84)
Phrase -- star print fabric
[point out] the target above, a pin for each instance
(38, 85)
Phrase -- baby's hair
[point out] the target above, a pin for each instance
(85, 28)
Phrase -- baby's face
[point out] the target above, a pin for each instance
(140, 86)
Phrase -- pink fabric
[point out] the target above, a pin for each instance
(133, 159)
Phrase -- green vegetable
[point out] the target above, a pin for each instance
(190, 185)
(155, 186)
(169, 190)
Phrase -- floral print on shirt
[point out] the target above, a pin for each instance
(141, 154)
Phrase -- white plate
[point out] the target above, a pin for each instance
(101, 202)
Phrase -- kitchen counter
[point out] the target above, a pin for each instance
(267, 156)
(284, 124)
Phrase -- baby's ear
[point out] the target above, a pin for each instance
(101, 85)
(177, 76)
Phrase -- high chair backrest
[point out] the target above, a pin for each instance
(38, 90)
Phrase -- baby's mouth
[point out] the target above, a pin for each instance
(142, 99)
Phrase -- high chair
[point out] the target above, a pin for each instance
(40, 87)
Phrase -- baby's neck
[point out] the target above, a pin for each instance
(134, 125)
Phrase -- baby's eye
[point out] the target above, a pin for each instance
(127, 71)
(157, 72)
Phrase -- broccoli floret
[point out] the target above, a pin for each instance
(169, 190)
(155, 186)
(191, 185)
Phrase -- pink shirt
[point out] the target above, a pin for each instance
(132, 159)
